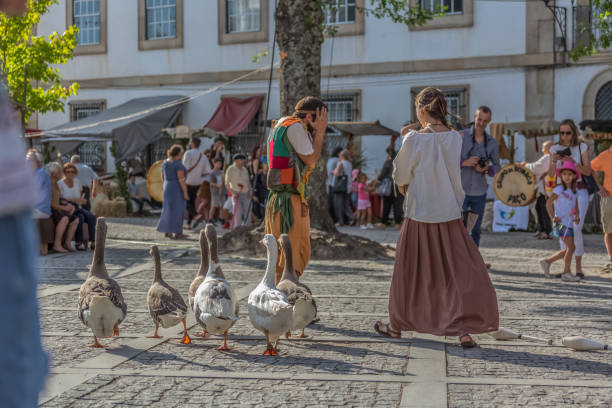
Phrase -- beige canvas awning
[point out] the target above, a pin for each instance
(363, 129)
(529, 129)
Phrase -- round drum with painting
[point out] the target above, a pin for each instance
(515, 185)
(155, 181)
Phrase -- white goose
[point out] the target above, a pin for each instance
(269, 309)
(215, 303)
(299, 295)
(101, 305)
(200, 276)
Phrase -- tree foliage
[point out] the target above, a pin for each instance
(30, 61)
(597, 30)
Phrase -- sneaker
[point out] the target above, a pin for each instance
(369, 226)
(226, 225)
(607, 270)
(545, 267)
(580, 275)
(568, 277)
(363, 226)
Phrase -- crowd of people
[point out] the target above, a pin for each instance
(202, 183)
(62, 208)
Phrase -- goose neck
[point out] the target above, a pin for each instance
(268, 278)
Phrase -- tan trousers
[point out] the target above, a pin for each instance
(299, 236)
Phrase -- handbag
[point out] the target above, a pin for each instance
(589, 181)
(340, 184)
(385, 188)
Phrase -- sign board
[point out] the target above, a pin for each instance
(515, 185)
(506, 217)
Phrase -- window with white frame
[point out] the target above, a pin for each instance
(92, 153)
(161, 19)
(342, 12)
(449, 7)
(341, 108)
(86, 16)
(243, 16)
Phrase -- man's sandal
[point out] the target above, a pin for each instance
(467, 343)
(389, 332)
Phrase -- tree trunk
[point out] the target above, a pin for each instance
(299, 33)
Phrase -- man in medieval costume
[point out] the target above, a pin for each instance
(294, 147)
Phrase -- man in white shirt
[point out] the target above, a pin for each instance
(88, 179)
(198, 169)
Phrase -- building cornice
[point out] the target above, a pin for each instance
(543, 60)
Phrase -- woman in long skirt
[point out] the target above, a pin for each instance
(440, 283)
(175, 194)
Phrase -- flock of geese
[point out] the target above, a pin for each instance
(273, 309)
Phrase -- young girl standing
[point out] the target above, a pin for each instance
(563, 209)
(364, 206)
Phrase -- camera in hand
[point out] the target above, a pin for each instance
(565, 152)
(482, 162)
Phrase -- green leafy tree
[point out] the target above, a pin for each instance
(28, 62)
(595, 31)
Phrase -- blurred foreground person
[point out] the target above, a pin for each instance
(23, 362)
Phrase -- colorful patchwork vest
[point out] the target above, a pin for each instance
(285, 166)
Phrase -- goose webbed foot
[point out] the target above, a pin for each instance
(97, 344)
(288, 334)
(204, 333)
(115, 331)
(224, 347)
(185, 339)
(302, 335)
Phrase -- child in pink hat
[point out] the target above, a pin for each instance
(563, 209)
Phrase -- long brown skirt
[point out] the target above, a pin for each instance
(440, 283)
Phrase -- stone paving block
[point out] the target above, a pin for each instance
(536, 362)
(538, 308)
(73, 350)
(197, 392)
(466, 395)
(294, 357)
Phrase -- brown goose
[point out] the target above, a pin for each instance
(299, 295)
(215, 303)
(200, 276)
(166, 305)
(101, 305)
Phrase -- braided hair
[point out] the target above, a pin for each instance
(432, 101)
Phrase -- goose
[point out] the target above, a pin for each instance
(101, 306)
(200, 276)
(166, 305)
(299, 295)
(215, 303)
(269, 309)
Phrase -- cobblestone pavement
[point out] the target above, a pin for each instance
(342, 362)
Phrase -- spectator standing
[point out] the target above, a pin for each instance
(238, 184)
(88, 179)
(603, 163)
(23, 361)
(217, 198)
(540, 170)
(479, 158)
(72, 192)
(342, 199)
(42, 207)
(331, 165)
(364, 205)
(395, 200)
(198, 183)
(570, 148)
(175, 194)
(63, 214)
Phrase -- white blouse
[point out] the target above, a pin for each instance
(70, 193)
(429, 163)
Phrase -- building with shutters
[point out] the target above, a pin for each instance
(508, 55)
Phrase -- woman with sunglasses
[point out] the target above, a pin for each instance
(570, 148)
(72, 192)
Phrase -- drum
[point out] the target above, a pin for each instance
(515, 185)
(155, 182)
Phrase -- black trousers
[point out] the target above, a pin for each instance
(395, 201)
(342, 208)
(192, 192)
(87, 192)
(330, 204)
(544, 222)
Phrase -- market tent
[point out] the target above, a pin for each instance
(597, 129)
(133, 125)
(363, 129)
(233, 115)
(531, 129)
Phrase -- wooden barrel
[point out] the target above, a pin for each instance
(155, 182)
(515, 185)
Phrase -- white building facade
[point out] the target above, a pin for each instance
(494, 53)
